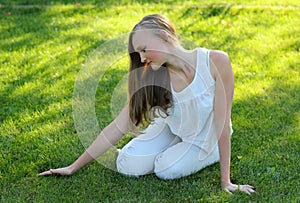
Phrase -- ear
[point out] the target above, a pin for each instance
(164, 35)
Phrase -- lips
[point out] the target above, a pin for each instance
(148, 63)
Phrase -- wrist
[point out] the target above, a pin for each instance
(225, 183)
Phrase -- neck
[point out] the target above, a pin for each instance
(180, 59)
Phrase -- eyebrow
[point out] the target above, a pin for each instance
(139, 48)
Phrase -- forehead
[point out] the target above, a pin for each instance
(141, 38)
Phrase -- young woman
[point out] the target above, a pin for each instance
(185, 97)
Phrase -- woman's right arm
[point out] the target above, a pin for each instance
(110, 135)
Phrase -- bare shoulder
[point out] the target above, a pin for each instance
(218, 56)
(220, 63)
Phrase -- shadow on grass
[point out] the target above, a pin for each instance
(36, 93)
(38, 30)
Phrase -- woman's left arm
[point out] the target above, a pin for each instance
(222, 72)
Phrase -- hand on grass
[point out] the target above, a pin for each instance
(229, 187)
(59, 171)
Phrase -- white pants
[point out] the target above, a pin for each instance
(161, 152)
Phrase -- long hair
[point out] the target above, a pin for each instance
(149, 90)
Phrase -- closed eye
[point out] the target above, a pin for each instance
(141, 49)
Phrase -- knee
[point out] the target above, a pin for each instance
(132, 165)
(167, 171)
(169, 174)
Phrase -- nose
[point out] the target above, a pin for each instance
(143, 58)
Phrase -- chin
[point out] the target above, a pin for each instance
(155, 67)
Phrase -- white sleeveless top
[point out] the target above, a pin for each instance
(192, 117)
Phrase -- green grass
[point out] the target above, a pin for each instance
(42, 50)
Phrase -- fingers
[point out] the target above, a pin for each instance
(247, 189)
(45, 173)
(58, 171)
(245, 186)
(250, 190)
(50, 172)
(226, 190)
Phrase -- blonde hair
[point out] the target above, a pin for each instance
(149, 90)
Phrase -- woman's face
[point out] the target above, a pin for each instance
(151, 47)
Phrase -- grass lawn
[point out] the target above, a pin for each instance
(44, 48)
